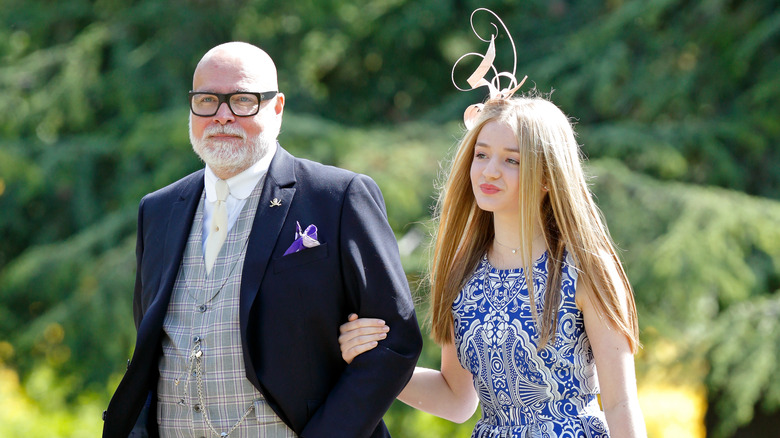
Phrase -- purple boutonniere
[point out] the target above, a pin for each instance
(303, 239)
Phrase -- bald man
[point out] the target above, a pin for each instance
(246, 268)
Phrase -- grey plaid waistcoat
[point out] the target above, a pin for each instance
(202, 375)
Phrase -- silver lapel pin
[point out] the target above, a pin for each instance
(276, 202)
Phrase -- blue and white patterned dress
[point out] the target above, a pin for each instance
(525, 393)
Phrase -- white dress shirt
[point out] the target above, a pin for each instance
(241, 187)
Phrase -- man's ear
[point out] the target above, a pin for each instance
(279, 105)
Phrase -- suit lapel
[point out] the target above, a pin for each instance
(279, 189)
(178, 231)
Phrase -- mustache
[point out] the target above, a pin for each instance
(224, 129)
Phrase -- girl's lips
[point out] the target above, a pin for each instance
(489, 189)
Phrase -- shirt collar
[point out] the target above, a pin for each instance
(241, 185)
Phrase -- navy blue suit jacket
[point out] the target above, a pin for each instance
(290, 306)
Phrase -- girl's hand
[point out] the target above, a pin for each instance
(360, 335)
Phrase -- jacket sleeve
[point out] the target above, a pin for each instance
(139, 253)
(140, 427)
(374, 277)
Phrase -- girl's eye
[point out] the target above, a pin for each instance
(480, 155)
(512, 161)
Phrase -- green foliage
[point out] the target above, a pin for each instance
(747, 332)
(721, 247)
(41, 409)
(705, 267)
(60, 299)
(402, 159)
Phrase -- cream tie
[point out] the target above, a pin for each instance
(219, 225)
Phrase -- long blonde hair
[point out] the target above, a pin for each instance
(570, 220)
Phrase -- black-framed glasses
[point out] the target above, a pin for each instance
(241, 104)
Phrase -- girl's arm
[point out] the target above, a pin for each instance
(448, 393)
(615, 368)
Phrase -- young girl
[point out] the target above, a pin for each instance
(516, 211)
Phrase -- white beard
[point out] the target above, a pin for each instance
(227, 156)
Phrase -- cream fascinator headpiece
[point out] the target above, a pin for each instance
(477, 79)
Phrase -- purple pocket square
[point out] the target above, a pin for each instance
(303, 239)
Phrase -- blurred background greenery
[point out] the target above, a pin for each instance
(677, 105)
